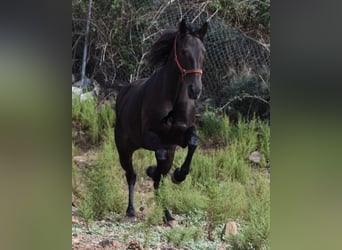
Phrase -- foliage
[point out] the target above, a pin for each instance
(154, 217)
(179, 236)
(91, 118)
(242, 137)
(115, 41)
(122, 32)
(250, 16)
(186, 195)
(222, 185)
(246, 94)
(255, 234)
(214, 127)
(101, 192)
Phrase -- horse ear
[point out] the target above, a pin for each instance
(182, 26)
(203, 30)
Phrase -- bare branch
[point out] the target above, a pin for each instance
(244, 96)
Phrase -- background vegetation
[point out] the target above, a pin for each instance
(237, 65)
(223, 184)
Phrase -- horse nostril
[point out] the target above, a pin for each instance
(195, 92)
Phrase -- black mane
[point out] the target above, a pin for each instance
(161, 49)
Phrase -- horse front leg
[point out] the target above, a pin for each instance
(192, 141)
(162, 169)
(151, 141)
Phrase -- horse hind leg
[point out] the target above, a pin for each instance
(126, 163)
(192, 141)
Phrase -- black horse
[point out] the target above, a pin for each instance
(158, 113)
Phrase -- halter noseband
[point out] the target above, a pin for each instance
(182, 70)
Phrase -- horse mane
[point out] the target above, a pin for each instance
(161, 49)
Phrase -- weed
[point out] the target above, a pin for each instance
(226, 200)
(264, 141)
(245, 136)
(230, 164)
(255, 232)
(179, 236)
(182, 198)
(102, 181)
(91, 119)
(214, 127)
(155, 216)
(221, 185)
(86, 209)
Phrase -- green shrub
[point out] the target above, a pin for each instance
(214, 127)
(202, 168)
(221, 185)
(264, 141)
(256, 229)
(103, 188)
(102, 181)
(182, 198)
(247, 94)
(250, 16)
(179, 236)
(227, 200)
(106, 116)
(92, 119)
(86, 208)
(245, 137)
(231, 165)
(76, 108)
(154, 217)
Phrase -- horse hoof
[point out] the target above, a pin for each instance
(175, 177)
(130, 212)
(150, 171)
(174, 181)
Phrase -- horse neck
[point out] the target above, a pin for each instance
(173, 86)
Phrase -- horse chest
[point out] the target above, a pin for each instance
(178, 119)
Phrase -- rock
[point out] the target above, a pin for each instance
(117, 245)
(255, 157)
(172, 223)
(104, 243)
(74, 220)
(87, 96)
(80, 160)
(230, 229)
(134, 245)
(76, 92)
(78, 84)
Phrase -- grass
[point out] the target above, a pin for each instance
(223, 185)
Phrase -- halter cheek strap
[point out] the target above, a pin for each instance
(182, 70)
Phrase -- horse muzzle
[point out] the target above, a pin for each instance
(194, 92)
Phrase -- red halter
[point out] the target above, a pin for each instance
(182, 70)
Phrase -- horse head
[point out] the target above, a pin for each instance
(189, 52)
